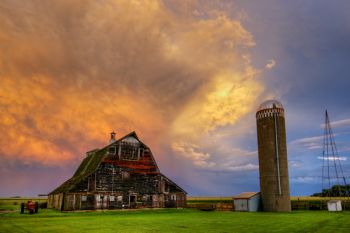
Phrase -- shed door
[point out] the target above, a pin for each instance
(241, 205)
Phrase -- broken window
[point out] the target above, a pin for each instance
(130, 150)
(132, 198)
(112, 150)
(111, 198)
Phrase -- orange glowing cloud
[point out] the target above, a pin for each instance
(70, 72)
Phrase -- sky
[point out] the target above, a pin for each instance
(187, 76)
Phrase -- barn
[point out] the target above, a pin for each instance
(123, 174)
(247, 201)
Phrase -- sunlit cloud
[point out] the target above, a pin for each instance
(332, 158)
(70, 77)
(304, 179)
(271, 64)
(311, 143)
(338, 124)
(179, 73)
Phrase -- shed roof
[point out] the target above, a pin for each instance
(246, 195)
(334, 201)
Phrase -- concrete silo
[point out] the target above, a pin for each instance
(273, 163)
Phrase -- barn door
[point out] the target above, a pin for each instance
(132, 201)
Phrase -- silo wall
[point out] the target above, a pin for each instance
(273, 163)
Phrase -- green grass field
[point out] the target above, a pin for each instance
(175, 220)
(168, 220)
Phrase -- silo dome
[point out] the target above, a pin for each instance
(270, 104)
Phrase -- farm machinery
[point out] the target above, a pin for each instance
(31, 207)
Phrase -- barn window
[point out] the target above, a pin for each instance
(112, 150)
(141, 152)
(119, 198)
(111, 198)
(83, 198)
(130, 149)
(145, 197)
(173, 197)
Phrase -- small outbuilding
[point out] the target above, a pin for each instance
(247, 201)
(334, 205)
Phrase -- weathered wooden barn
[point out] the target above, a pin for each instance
(124, 174)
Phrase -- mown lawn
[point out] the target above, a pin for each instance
(175, 220)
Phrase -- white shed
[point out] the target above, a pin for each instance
(334, 205)
(247, 201)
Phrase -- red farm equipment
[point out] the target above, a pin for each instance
(31, 206)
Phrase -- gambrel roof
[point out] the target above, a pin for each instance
(94, 158)
(86, 168)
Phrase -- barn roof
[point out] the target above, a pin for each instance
(172, 182)
(246, 195)
(86, 168)
(91, 163)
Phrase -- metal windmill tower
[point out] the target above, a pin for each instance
(332, 171)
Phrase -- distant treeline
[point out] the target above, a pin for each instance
(335, 191)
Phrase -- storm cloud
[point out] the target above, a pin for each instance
(73, 71)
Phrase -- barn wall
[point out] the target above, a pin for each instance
(88, 202)
(134, 189)
(50, 201)
(117, 191)
(111, 178)
(180, 200)
(55, 201)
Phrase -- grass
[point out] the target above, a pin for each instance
(169, 220)
(175, 220)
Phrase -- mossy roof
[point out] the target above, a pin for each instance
(86, 168)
